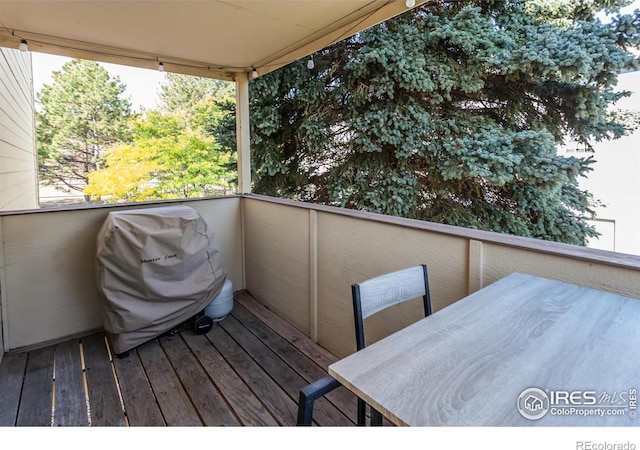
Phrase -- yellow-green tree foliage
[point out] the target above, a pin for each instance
(167, 159)
(126, 176)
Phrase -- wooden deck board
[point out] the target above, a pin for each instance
(342, 398)
(139, 402)
(106, 408)
(174, 402)
(247, 371)
(208, 402)
(298, 339)
(37, 389)
(70, 407)
(282, 407)
(287, 378)
(242, 400)
(11, 376)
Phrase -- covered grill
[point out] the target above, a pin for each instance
(156, 268)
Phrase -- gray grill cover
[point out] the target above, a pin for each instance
(156, 268)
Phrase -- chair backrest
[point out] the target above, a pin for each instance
(381, 292)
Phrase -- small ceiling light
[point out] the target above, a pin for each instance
(310, 63)
(23, 46)
(411, 3)
(254, 73)
(160, 67)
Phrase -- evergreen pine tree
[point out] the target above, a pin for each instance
(452, 113)
(81, 114)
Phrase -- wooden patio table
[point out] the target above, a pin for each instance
(523, 351)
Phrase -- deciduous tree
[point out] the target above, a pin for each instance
(166, 159)
(183, 92)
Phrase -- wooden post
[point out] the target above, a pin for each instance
(476, 265)
(243, 134)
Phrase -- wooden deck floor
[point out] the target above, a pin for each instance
(247, 371)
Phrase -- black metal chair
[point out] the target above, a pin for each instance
(381, 292)
(309, 394)
(370, 297)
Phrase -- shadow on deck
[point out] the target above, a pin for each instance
(246, 371)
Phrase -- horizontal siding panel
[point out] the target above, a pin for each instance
(19, 110)
(14, 111)
(22, 197)
(18, 154)
(16, 102)
(17, 178)
(16, 72)
(13, 156)
(19, 139)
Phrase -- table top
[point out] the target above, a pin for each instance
(522, 351)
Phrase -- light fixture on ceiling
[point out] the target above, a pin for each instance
(160, 67)
(254, 73)
(410, 3)
(23, 46)
(310, 63)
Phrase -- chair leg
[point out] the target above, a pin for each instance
(309, 394)
(305, 410)
(376, 418)
(362, 413)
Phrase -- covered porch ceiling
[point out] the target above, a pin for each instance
(214, 38)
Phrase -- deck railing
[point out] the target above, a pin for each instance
(297, 259)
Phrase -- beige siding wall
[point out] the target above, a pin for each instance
(47, 267)
(500, 260)
(352, 250)
(302, 260)
(2, 301)
(18, 176)
(277, 243)
(18, 163)
(298, 259)
(301, 263)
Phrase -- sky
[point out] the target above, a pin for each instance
(142, 85)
